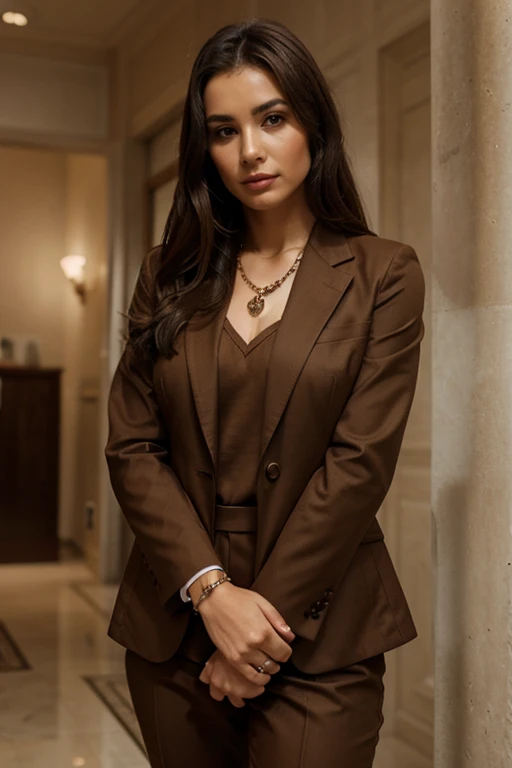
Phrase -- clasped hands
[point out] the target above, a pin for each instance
(246, 629)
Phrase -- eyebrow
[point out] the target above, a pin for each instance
(255, 111)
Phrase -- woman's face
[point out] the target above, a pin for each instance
(252, 130)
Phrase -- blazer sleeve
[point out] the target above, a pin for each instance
(166, 526)
(343, 496)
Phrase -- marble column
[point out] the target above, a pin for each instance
(126, 174)
(472, 381)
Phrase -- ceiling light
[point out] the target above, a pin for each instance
(18, 19)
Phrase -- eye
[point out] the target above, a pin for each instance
(280, 118)
(274, 117)
(220, 135)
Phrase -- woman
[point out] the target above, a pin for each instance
(256, 418)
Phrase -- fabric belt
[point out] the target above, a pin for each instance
(245, 520)
(236, 519)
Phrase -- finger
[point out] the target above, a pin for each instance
(257, 678)
(276, 648)
(269, 665)
(216, 693)
(249, 673)
(236, 701)
(205, 677)
(277, 621)
(206, 672)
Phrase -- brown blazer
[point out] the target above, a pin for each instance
(341, 382)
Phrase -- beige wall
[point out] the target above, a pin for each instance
(86, 233)
(52, 203)
(56, 101)
(32, 236)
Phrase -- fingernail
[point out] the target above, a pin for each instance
(286, 628)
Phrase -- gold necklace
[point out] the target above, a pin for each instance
(255, 305)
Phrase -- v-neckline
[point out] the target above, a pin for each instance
(242, 344)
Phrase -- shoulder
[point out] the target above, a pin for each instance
(383, 259)
(381, 251)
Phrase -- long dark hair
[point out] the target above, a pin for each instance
(193, 269)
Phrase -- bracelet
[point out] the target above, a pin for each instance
(209, 589)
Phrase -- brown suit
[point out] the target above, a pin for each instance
(341, 380)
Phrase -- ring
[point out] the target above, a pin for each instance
(261, 667)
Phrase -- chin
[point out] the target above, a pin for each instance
(261, 205)
(266, 202)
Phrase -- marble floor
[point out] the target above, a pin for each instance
(63, 695)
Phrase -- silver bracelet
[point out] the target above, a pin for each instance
(208, 589)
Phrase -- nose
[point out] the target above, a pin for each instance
(250, 148)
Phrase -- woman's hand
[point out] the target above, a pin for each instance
(224, 680)
(246, 629)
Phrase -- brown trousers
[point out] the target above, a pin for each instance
(330, 720)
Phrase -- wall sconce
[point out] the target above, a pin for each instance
(73, 268)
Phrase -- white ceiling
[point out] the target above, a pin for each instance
(91, 23)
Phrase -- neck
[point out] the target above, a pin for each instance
(272, 232)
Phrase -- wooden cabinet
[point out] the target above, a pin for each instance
(29, 464)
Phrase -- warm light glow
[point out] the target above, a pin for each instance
(78, 761)
(73, 267)
(12, 17)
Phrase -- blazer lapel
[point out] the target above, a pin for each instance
(315, 293)
(202, 351)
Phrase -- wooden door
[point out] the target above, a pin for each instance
(29, 454)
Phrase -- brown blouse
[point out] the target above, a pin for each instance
(242, 381)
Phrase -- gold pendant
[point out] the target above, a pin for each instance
(255, 306)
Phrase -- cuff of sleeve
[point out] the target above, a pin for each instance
(183, 591)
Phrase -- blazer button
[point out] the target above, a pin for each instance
(273, 470)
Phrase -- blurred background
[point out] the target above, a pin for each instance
(90, 102)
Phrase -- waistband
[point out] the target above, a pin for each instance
(236, 519)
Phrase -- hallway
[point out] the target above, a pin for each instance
(52, 618)
(63, 696)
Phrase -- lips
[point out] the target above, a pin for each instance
(258, 177)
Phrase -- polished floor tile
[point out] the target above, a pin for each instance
(393, 753)
(50, 716)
